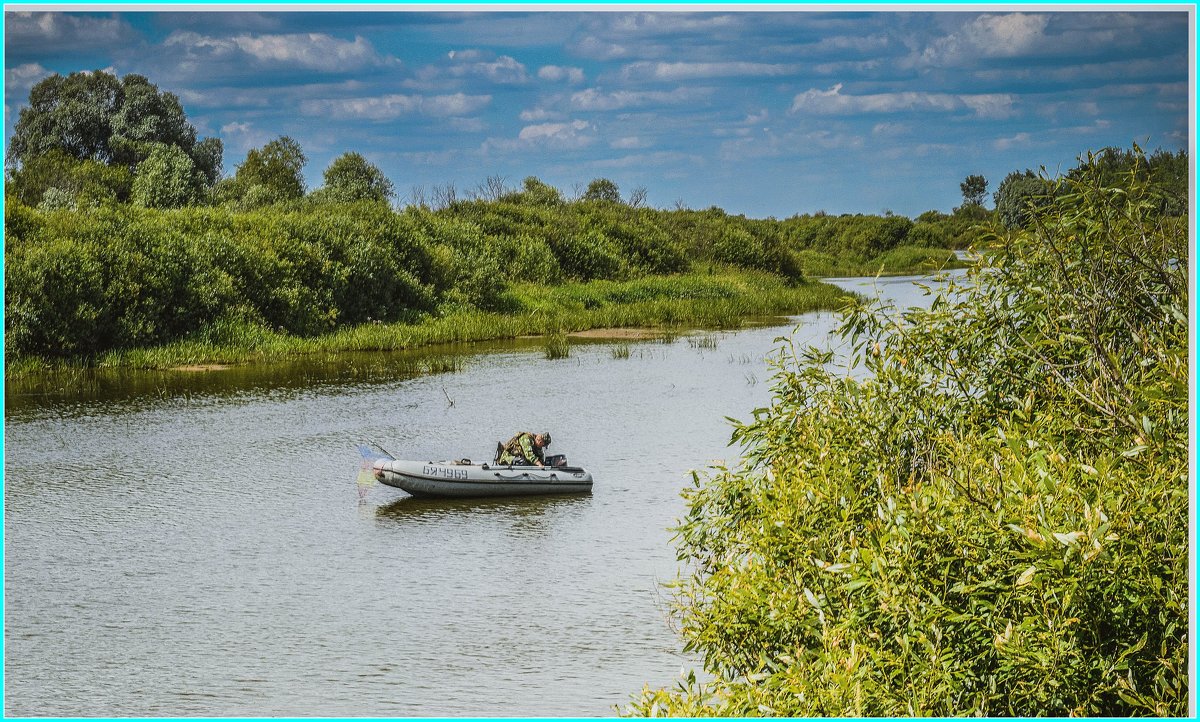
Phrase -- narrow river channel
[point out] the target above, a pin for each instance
(197, 544)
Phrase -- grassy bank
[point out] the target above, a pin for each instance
(720, 299)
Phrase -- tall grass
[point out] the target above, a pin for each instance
(696, 300)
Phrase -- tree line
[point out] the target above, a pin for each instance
(122, 230)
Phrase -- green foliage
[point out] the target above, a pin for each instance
(146, 119)
(350, 177)
(988, 516)
(588, 254)
(94, 116)
(73, 182)
(271, 174)
(537, 193)
(557, 346)
(974, 190)
(167, 178)
(603, 190)
(1019, 197)
(72, 115)
(1164, 171)
(85, 282)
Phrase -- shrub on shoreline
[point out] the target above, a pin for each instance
(992, 520)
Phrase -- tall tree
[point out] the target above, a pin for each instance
(974, 190)
(350, 177)
(96, 116)
(272, 173)
(1019, 195)
(602, 189)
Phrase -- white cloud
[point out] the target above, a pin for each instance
(558, 134)
(64, 31)
(1007, 35)
(890, 129)
(675, 72)
(1020, 140)
(389, 107)
(630, 142)
(20, 80)
(484, 64)
(594, 99)
(597, 49)
(648, 160)
(833, 102)
(655, 23)
(532, 115)
(556, 73)
(313, 51)
(568, 135)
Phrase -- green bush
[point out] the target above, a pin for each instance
(85, 282)
(989, 518)
(587, 255)
(167, 178)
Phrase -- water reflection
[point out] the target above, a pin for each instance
(408, 508)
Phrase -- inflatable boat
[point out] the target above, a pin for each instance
(463, 478)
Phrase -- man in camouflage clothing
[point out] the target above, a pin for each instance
(525, 449)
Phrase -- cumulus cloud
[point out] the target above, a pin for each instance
(833, 102)
(1020, 140)
(312, 51)
(63, 32)
(594, 99)
(989, 36)
(390, 107)
(558, 134)
(598, 49)
(675, 72)
(20, 80)
(483, 64)
(556, 73)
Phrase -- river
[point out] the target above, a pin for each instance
(198, 544)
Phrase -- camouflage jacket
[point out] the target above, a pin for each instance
(522, 448)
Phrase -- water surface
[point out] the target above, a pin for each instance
(198, 543)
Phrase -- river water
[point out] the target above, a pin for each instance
(199, 544)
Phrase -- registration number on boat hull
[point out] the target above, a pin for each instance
(444, 472)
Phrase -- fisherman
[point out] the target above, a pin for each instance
(525, 449)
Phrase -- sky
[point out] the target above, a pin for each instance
(767, 113)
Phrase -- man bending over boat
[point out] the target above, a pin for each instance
(525, 449)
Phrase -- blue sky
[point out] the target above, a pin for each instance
(767, 113)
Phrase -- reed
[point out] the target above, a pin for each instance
(557, 346)
(621, 351)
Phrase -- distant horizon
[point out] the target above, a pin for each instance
(764, 113)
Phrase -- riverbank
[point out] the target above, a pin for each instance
(717, 299)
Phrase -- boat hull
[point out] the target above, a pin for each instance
(445, 479)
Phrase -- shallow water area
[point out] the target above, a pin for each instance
(201, 542)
